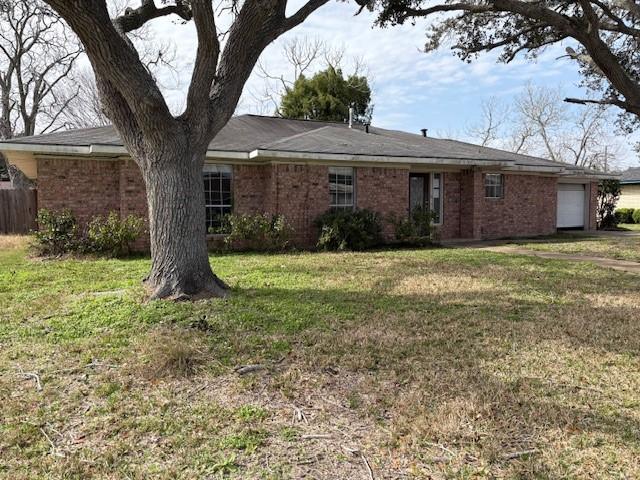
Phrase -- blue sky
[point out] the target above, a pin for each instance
(411, 89)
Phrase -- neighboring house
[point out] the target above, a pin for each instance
(629, 189)
(301, 169)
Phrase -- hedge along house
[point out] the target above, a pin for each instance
(301, 168)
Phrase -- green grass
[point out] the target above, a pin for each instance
(445, 363)
(635, 227)
(616, 247)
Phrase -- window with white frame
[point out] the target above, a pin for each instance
(341, 188)
(217, 193)
(436, 197)
(425, 191)
(494, 185)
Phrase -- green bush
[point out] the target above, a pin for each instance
(56, 232)
(636, 215)
(416, 229)
(112, 235)
(624, 215)
(349, 230)
(608, 196)
(259, 232)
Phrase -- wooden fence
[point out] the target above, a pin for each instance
(17, 210)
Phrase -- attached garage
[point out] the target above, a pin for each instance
(571, 205)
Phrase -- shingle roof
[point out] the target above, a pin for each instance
(631, 175)
(247, 133)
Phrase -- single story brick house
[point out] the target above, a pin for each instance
(629, 188)
(302, 168)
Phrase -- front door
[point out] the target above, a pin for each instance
(418, 191)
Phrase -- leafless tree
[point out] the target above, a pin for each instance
(85, 110)
(37, 53)
(170, 150)
(493, 117)
(542, 109)
(539, 123)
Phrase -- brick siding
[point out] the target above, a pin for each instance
(300, 192)
(383, 190)
(86, 187)
(527, 208)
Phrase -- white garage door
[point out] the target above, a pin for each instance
(570, 205)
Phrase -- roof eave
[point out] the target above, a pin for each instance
(590, 175)
(46, 149)
(534, 169)
(338, 157)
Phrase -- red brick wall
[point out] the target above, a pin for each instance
(593, 205)
(528, 208)
(250, 188)
(133, 198)
(471, 202)
(384, 190)
(300, 193)
(86, 187)
(450, 227)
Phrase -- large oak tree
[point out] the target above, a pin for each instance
(170, 150)
(607, 33)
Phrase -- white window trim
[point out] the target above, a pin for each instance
(501, 185)
(353, 204)
(218, 168)
(431, 197)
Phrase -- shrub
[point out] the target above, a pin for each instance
(113, 235)
(636, 215)
(416, 229)
(624, 215)
(56, 232)
(349, 230)
(608, 195)
(260, 232)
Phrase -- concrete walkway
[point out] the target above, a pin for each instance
(622, 265)
(605, 233)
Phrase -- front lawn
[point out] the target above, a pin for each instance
(616, 247)
(635, 227)
(445, 363)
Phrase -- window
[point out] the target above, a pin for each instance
(341, 188)
(436, 197)
(493, 185)
(425, 191)
(217, 193)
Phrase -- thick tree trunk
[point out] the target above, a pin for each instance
(180, 267)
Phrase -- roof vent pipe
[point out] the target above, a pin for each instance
(424, 132)
(350, 117)
(366, 127)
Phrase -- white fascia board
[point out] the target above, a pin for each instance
(49, 149)
(589, 176)
(227, 155)
(108, 150)
(336, 157)
(534, 168)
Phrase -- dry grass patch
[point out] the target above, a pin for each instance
(169, 352)
(13, 242)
